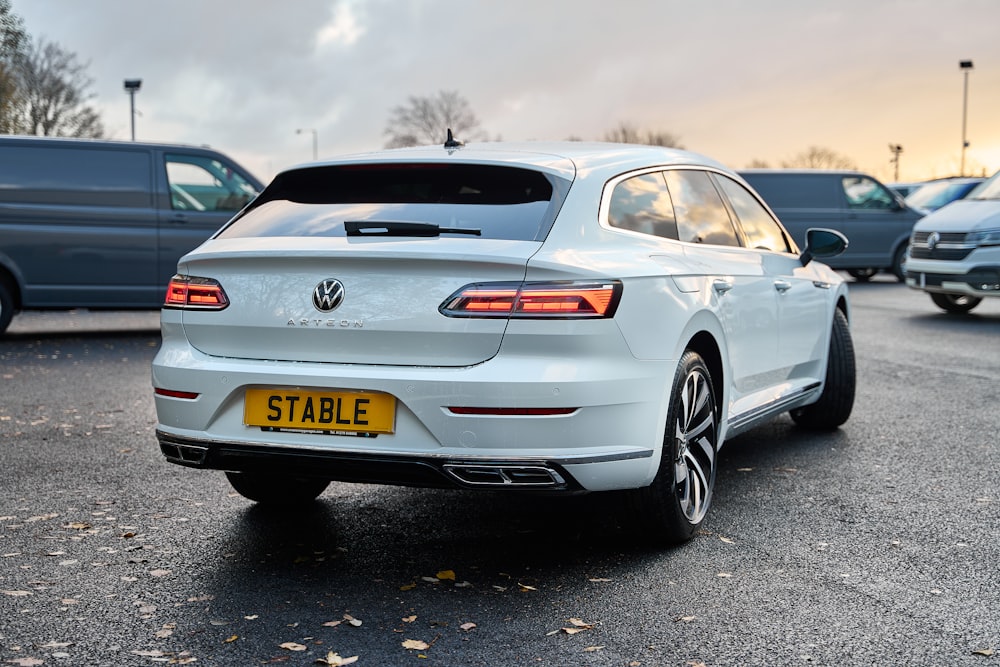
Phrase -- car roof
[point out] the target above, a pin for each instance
(566, 158)
(805, 171)
(26, 139)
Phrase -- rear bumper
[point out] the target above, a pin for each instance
(539, 474)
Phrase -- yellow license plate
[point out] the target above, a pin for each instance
(349, 411)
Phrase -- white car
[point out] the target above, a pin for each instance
(954, 252)
(543, 317)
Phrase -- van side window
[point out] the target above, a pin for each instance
(702, 216)
(200, 183)
(862, 192)
(642, 204)
(761, 229)
(76, 176)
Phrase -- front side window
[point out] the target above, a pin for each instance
(642, 204)
(863, 192)
(199, 183)
(702, 216)
(762, 231)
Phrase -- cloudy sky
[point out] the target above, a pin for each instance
(739, 80)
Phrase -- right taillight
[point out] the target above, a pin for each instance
(545, 300)
(192, 292)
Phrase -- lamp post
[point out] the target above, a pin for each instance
(315, 141)
(132, 87)
(966, 67)
(896, 150)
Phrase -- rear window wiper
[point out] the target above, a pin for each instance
(386, 228)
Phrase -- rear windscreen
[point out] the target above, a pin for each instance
(500, 202)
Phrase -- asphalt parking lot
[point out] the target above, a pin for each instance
(873, 545)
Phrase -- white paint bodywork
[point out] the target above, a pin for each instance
(768, 316)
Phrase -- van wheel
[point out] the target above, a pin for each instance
(6, 307)
(955, 303)
(862, 275)
(672, 508)
(837, 400)
(898, 262)
(277, 490)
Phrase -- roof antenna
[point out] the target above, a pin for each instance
(452, 142)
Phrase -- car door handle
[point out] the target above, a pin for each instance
(722, 286)
(782, 285)
(179, 218)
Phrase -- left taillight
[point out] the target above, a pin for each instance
(548, 300)
(195, 293)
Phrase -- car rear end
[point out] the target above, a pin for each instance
(379, 321)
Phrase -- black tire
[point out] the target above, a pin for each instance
(862, 275)
(837, 400)
(955, 303)
(6, 306)
(277, 490)
(898, 261)
(672, 508)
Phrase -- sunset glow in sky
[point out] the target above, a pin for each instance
(737, 80)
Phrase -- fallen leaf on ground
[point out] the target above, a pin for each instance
(685, 619)
(726, 540)
(591, 649)
(408, 587)
(230, 640)
(78, 525)
(467, 626)
(526, 588)
(410, 619)
(159, 573)
(352, 621)
(332, 624)
(598, 579)
(293, 646)
(988, 652)
(17, 594)
(446, 575)
(334, 660)
(416, 645)
(26, 662)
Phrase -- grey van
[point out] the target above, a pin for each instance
(101, 224)
(876, 221)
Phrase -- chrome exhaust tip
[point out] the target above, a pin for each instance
(529, 476)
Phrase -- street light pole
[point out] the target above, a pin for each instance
(132, 87)
(896, 150)
(965, 66)
(315, 141)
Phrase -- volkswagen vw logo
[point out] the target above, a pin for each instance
(328, 295)
(932, 240)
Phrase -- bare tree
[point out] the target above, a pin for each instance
(626, 133)
(55, 87)
(12, 43)
(757, 163)
(817, 157)
(426, 120)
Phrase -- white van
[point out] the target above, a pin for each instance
(954, 252)
(101, 224)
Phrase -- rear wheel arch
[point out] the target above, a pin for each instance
(707, 347)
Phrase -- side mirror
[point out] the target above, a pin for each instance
(822, 243)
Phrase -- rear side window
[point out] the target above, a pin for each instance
(75, 176)
(702, 217)
(642, 204)
(500, 202)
